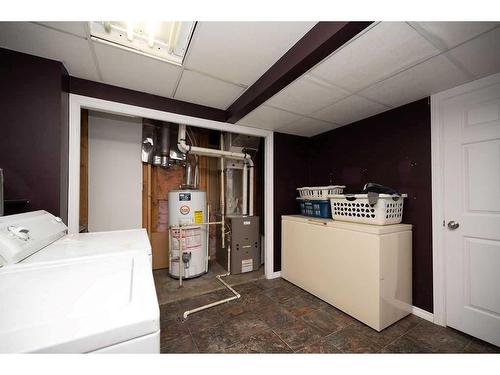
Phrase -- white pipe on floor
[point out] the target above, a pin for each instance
(201, 308)
(183, 147)
(219, 278)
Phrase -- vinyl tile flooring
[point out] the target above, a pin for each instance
(167, 288)
(275, 316)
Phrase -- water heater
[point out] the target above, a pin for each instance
(188, 209)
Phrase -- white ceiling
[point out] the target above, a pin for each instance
(122, 68)
(240, 52)
(224, 58)
(388, 65)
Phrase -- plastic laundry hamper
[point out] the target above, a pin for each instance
(315, 207)
(320, 192)
(355, 208)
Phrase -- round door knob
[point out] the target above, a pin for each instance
(453, 225)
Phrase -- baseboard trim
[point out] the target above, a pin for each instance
(422, 314)
(274, 275)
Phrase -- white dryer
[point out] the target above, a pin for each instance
(75, 293)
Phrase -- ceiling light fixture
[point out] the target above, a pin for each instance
(166, 41)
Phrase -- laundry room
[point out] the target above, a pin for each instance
(250, 187)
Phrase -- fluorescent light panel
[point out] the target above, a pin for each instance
(167, 41)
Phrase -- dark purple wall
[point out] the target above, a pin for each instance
(393, 149)
(291, 170)
(33, 125)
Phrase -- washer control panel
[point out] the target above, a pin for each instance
(24, 234)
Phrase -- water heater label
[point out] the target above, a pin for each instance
(184, 210)
(184, 197)
(198, 217)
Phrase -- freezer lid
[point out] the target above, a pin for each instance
(76, 305)
(24, 234)
(96, 243)
(364, 228)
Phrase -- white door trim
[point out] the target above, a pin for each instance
(437, 165)
(77, 102)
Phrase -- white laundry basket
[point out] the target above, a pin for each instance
(356, 208)
(320, 192)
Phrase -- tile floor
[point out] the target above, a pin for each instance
(167, 288)
(275, 316)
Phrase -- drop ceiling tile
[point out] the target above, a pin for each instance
(265, 117)
(450, 34)
(72, 51)
(241, 52)
(136, 72)
(379, 53)
(201, 89)
(351, 109)
(307, 95)
(480, 56)
(307, 127)
(75, 28)
(432, 76)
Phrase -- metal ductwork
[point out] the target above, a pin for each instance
(157, 148)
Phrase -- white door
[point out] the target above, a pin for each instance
(471, 128)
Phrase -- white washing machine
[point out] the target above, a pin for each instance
(82, 293)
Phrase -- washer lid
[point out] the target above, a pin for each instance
(24, 234)
(76, 305)
(94, 244)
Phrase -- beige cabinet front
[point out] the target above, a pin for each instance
(367, 275)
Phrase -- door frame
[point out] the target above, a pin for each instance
(79, 102)
(437, 172)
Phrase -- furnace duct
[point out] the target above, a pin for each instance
(157, 148)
